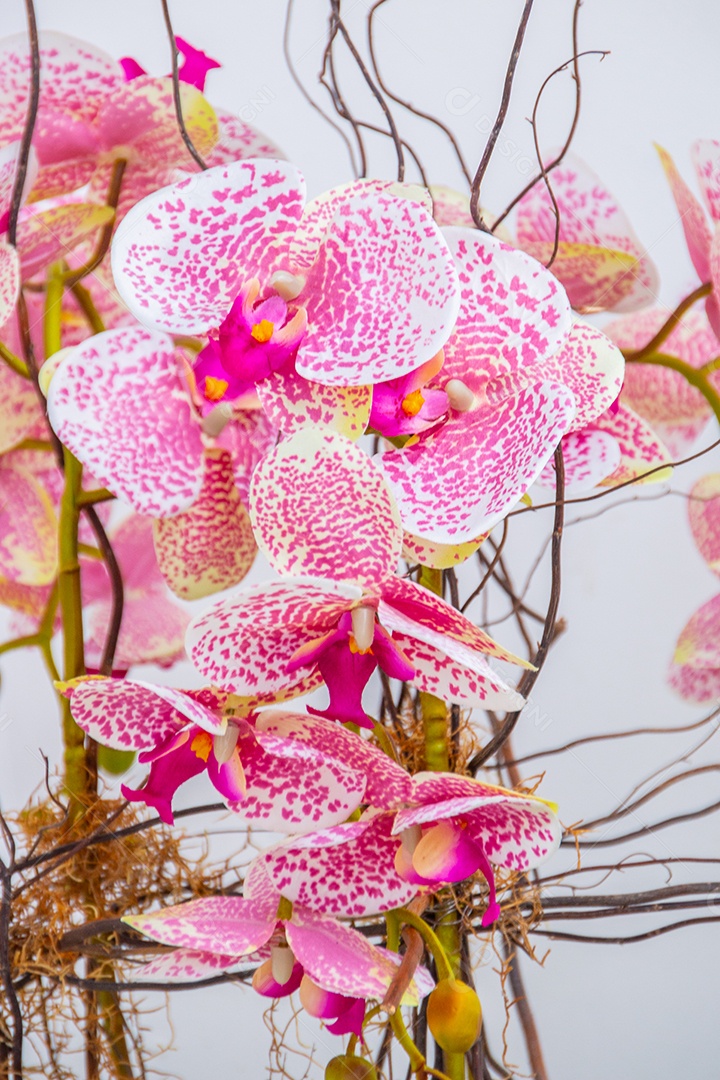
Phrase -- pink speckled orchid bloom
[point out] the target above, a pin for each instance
(280, 771)
(89, 116)
(321, 509)
(124, 404)
(675, 409)
(703, 238)
(193, 70)
(519, 375)
(335, 967)
(451, 828)
(599, 259)
(695, 668)
(311, 302)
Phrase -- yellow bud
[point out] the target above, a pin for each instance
(454, 1015)
(348, 1067)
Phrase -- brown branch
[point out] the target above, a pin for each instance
(403, 976)
(176, 88)
(116, 585)
(73, 277)
(30, 119)
(527, 1020)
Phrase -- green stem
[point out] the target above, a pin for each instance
(92, 498)
(14, 361)
(697, 377)
(446, 967)
(670, 323)
(76, 773)
(52, 322)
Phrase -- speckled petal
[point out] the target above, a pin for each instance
(128, 715)
(589, 214)
(19, 409)
(590, 365)
(595, 278)
(589, 457)
(704, 515)
(692, 217)
(640, 448)
(294, 403)
(513, 311)
(152, 632)
(210, 546)
(694, 672)
(417, 549)
(338, 958)
(186, 966)
(74, 77)
(439, 674)
(180, 255)
(319, 213)
(319, 506)
(248, 438)
(706, 159)
(51, 234)
(347, 871)
(238, 140)
(293, 787)
(9, 281)
(119, 402)
(28, 527)
(244, 644)
(460, 480)
(229, 925)
(381, 296)
(388, 785)
(414, 610)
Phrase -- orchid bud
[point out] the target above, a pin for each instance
(349, 1067)
(454, 1015)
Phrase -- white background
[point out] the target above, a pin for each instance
(631, 577)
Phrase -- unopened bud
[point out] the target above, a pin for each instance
(454, 1015)
(349, 1067)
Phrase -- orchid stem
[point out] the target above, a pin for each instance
(19, 366)
(697, 377)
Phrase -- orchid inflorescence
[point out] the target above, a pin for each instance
(361, 386)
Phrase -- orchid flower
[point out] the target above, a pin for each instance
(123, 403)
(695, 668)
(89, 117)
(193, 70)
(599, 259)
(452, 827)
(702, 238)
(336, 968)
(281, 771)
(519, 375)
(321, 510)
(310, 302)
(677, 411)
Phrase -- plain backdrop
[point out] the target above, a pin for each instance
(631, 574)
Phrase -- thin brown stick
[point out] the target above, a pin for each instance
(527, 1020)
(176, 88)
(30, 120)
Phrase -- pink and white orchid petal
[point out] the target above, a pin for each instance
(704, 515)
(387, 784)
(19, 411)
(451, 207)
(132, 544)
(245, 643)
(320, 506)
(295, 788)
(518, 835)
(418, 549)
(590, 365)
(694, 672)
(211, 546)
(461, 479)
(319, 213)
(417, 612)
(641, 450)
(513, 312)
(238, 140)
(132, 715)
(258, 886)
(153, 630)
(589, 457)
(446, 853)
(119, 402)
(9, 281)
(180, 255)
(430, 788)
(74, 76)
(438, 674)
(589, 214)
(28, 527)
(338, 958)
(293, 403)
(692, 217)
(248, 438)
(382, 295)
(186, 966)
(228, 925)
(706, 159)
(141, 114)
(595, 278)
(50, 234)
(347, 871)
